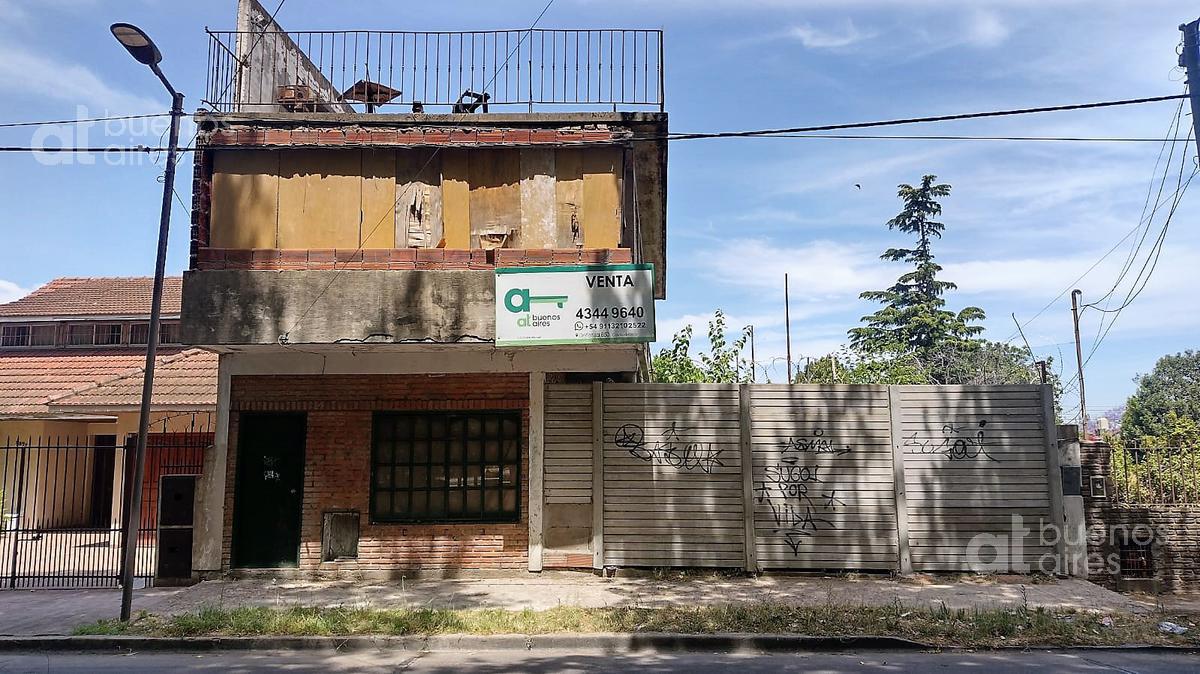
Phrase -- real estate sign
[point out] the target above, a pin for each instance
(574, 304)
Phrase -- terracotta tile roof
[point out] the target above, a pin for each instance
(182, 381)
(31, 380)
(110, 296)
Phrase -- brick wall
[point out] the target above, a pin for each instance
(1173, 529)
(337, 466)
(402, 258)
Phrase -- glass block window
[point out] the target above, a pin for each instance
(446, 467)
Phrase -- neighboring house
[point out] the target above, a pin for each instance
(72, 354)
(344, 266)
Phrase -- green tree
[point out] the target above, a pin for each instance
(1165, 409)
(913, 318)
(722, 364)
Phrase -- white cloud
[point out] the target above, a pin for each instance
(819, 271)
(986, 29)
(26, 74)
(10, 291)
(815, 38)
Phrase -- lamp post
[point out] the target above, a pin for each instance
(142, 48)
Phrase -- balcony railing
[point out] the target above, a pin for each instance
(518, 70)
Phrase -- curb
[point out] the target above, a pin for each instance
(651, 642)
(627, 643)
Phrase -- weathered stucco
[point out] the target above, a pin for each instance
(229, 307)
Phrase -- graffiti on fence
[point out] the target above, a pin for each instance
(795, 495)
(958, 443)
(671, 449)
(817, 443)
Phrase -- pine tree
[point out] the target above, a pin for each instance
(913, 319)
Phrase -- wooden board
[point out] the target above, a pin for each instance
(602, 197)
(245, 199)
(568, 197)
(495, 196)
(456, 199)
(378, 228)
(418, 198)
(320, 197)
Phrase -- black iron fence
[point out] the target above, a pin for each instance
(507, 69)
(1155, 475)
(63, 504)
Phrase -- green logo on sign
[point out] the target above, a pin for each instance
(519, 299)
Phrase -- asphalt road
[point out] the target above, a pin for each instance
(595, 661)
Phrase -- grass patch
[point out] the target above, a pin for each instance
(938, 626)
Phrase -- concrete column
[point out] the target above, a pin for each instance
(537, 416)
(1074, 528)
(210, 488)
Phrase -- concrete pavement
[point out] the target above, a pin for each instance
(1000, 662)
(24, 612)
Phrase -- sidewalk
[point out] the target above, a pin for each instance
(48, 612)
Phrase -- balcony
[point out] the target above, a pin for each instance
(272, 70)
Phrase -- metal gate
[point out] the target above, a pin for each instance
(63, 505)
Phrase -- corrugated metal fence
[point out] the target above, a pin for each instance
(911, 478)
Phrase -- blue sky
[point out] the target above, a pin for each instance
(1024, 220)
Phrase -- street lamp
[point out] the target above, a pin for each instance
(142, 48)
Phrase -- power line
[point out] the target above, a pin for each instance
(1069, 139)
(801, 132)
(6, 125)
(924, 120)
(1129, 260)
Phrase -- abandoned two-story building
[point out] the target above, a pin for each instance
(398, 239)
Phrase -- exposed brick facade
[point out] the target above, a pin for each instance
(337, 466)
(402, 258)
(1175, 548)
(350, 136)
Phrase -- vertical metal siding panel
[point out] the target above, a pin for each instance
(672, 476)
(823, 477)
(974, 458)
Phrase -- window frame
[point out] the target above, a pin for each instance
(16, 327)
(67, 335)
(107, 327)
(499, 516)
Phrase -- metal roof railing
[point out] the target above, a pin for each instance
(511, 70)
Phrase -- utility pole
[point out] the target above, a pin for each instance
(1075, 295)
(787, 325)
(751, 354)
(1190, 59)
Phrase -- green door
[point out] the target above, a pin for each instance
(269, 490)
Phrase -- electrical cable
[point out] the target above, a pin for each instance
(88, 120)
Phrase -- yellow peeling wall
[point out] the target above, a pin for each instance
(417, 198)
